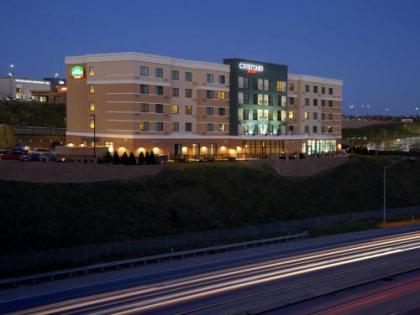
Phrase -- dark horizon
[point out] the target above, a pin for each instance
(370, 45)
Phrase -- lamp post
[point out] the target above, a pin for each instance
(11, 66)
(385, 168)
(94, 134)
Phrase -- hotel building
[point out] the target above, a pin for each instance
(134, 101)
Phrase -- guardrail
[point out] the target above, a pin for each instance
(84, 270)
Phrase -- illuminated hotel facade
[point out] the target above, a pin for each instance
(135, 101)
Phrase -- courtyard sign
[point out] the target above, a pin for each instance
(251, 68)
(77, 72)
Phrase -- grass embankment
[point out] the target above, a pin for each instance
(384, 132)
(31, 113)
(191, 197)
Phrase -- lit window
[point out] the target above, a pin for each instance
(188, 109)
(91, 123)
(221, 95)
(91, 106)
(144, 126)
(222, 128)
(91, 70)
(91, 89)
(290, 115)
(281, 86)
(306, 115)
(175, 109)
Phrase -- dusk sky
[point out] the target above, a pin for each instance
(374, 46)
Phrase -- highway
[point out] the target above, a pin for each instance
(255, 285)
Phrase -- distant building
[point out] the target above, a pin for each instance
(56, 94)
(21, 88)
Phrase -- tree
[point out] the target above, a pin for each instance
(132, 159)
(107, 157)
(7, 139)
(152, 157)
(141, 158)
(124, 158)
(147, 157)
(116, 158)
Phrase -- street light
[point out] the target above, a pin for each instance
(94, 134)
(11, 66)
(385, 168)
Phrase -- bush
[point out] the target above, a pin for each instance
(124, 159)
(116, 158)
(152, 158)
(107, 157)
(132, 159)
(142, 159)
(147, 158)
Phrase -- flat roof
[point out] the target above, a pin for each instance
(137, 56)
(315, 79)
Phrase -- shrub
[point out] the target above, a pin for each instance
(107, 157)
(152, 158)
(147, 157)
(142, 159)
(124, 158)
(132, 159)
(116, 158)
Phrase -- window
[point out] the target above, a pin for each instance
(255, 99)
(158, 126)
(210, 78)
(323, 129)
(282, 99)
(188, 127)
(241, 82)
(315, 88)
(175, 91)
(210, 127)
(246, 83)
(260, 84)
(144, 126)
(222, 111)
(175, 126)
(240, 98)
(291, 87)
(281, 86)
(209, 111)
(144, 71)
(210, 94)
(188, 93)
(246, 114)
(291, 101)
(255, 114)
(159, 90)
(91, 89)
(290, 116)
(315, 129)
(306, 129)
(330, 129)
(315, 102)
(91, 106)
(91, 71)
(330, 103)
(222, 128)
(159, 73)
(175, 109)
(175, 75)
(330, 91)
(159, 108)
(188, 109)
(330, 116)
(307, 101)
(188, 76)
(144, 89)
(323, 90)
(221, 95)
(92, 123)
(306, 115)
(323, 116)
(246, 98)
(307, 88)
(222, 79)
(323, 103)
(270, 115)
(144, 107)
(315, 116)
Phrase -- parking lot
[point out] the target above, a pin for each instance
(75, 172)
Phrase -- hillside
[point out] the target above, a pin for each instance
(191, 197)
(386, 131)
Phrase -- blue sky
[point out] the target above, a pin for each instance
(374, 46)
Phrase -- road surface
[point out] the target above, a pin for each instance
(257, 284)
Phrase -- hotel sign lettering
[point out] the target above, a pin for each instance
(77, 72)
(251, 68)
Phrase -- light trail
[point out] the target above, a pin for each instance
(222, 281)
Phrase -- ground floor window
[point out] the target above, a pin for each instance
(319, 146)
